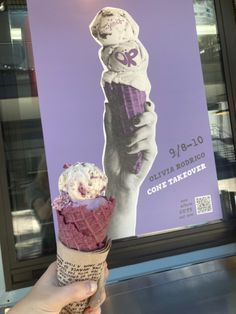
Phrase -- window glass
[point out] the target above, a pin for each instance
(217, 101)
(23, 139)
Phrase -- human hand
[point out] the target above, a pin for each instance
(119, 151)
(47, 297)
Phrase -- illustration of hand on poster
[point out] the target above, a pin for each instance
(129, 118)
(141, 45)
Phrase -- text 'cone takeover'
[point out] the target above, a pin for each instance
(83, 214)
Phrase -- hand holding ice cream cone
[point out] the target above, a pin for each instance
(47, 297)
(83, 213)
(118, 151)
(129, 120)
(123, 184)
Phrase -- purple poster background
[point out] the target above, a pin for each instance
(71, 101)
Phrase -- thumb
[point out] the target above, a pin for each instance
(76, 292)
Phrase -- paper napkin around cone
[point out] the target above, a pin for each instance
(74, 265)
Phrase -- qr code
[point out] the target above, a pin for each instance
(203, 204)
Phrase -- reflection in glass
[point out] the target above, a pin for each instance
(217, 101)
(23, 141)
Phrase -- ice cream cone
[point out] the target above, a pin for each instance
(126, 103)
(83, 229)
(83, 214)
(124, 79)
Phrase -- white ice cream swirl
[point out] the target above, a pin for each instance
(82, 181)
(126, 64)
(124, 58)
(113, 26)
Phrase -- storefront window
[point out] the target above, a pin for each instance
(27, 179)
(217, 101)
(23, 141)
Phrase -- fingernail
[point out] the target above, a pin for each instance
(136, 120)
(92, 286)
(89, 310)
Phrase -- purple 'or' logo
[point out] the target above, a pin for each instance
(126, 58)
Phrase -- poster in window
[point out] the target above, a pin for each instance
(120, 85)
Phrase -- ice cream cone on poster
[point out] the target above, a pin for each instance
(83, 214)
(124, 80)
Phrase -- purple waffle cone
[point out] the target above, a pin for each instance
(126, 102)
(83, 229)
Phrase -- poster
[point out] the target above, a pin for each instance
(178, 187)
